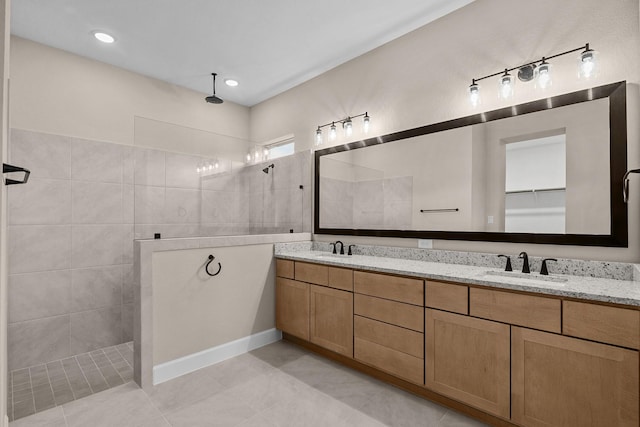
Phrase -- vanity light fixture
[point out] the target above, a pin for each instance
(539, 70)
(347, 126)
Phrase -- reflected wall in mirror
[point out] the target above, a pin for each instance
(542, 172)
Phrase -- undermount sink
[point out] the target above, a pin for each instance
(559, 281)
(331, 256)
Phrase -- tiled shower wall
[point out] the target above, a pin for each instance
(71, 231)
(377, 203)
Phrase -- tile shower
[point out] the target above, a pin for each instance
(71, 231)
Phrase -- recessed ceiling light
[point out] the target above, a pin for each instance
(231, 82)
(104, 37)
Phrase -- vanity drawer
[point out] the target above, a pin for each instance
(445, 296)
(390, 336)
(395, 313)
(516, 309)
(390, 287)
(601, 323)
(312, 273)
(284, 268)
(386, 359)
(341, 278)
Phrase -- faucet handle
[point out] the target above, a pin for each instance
(508, 266)
(351, 246)
(334, 247)
(543, 269)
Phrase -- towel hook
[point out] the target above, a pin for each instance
(206, 267)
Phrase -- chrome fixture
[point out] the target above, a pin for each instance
(213, 99)
(543, 270)
(347, 126)
(266, 170)
(625, 184)
(525, 262)
(508, 266)
(539, 70)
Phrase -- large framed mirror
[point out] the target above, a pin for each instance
(548, 171)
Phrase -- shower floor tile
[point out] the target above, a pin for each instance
(46, 386)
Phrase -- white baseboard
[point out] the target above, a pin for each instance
(178, 367)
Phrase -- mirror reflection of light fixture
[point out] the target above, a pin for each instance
(539, 70)
(347, 126)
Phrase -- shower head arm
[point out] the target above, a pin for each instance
(625, 184)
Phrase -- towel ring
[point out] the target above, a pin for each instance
(206, 267)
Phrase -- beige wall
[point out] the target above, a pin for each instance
(193, 312)
(422, 78)
(57, 92)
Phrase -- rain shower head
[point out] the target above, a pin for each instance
(213, 99)
(266, 170)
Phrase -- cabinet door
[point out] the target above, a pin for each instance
(468, 359)
(562, 381)
(331, 319)
(292, 307)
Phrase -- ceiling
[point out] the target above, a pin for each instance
(268, 46)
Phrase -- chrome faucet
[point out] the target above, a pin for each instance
(525, 262)
(335, 245)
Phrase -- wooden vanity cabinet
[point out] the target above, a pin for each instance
(331, 319)
(468, 359)
(292, 307)
(563, 381)
(317, 306)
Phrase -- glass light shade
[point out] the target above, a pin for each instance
(366, 122)
(265, 153)
(588, 64)
(210, 166)
(544, 80)
(348, 127)
(506, 86)
(332, 132)
(198, 169)
(474, 94)
(216, 165)
(248, 157)
(318, 136)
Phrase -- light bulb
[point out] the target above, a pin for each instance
(332, 132)
(506, 85)
(544, 75)
(248, 157)
(348, 127)
(210, 166)
(265, 153)
(256, 156)
(216, 165)
(474, 93)
(366, 122)
(198, 169)
(318, 136)
(587, 63)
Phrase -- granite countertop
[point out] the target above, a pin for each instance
(626, 292)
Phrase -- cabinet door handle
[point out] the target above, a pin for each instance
(7, 168)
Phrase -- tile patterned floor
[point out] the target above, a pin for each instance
(279, 385)
(42, 387)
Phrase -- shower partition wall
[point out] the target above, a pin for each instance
(71, 229)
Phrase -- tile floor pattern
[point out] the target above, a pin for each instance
(278, 385)
(43, 387)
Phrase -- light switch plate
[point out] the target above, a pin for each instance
(425, 243)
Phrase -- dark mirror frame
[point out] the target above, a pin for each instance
(616, 92)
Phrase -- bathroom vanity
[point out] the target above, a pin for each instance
(508, 350)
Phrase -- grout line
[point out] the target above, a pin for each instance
(83, 375)
(98, 368)
(122, 355)
(68, 382)
(33, 397)
(51, 386)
